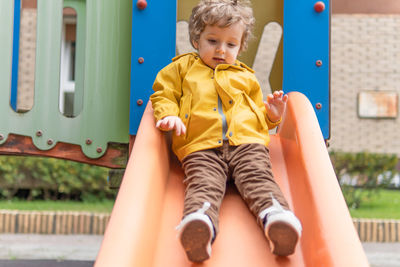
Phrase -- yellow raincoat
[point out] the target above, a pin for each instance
(190, 89)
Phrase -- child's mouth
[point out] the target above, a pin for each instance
(219, 60)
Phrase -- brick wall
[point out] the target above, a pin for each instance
(27, 57)
(365, 55)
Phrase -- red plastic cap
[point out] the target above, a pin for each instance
(319, 6)
(141, 4)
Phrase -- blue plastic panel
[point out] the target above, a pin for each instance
(15, 54)
(306, 41)
(153, 39)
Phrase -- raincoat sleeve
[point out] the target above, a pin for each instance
(167, 92)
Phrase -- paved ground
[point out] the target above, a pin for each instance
(44, 263)
(21, 250)
(383, 254)
(81, 250)
(55, 247)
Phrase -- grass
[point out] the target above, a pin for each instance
(40, 205)
(384, 205)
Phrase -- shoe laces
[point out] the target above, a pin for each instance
(275, 208)
(202, 210)
(205, 207)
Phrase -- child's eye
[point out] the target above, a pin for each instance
(212, 41)
(231, 45)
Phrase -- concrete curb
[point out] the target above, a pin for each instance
(66, 222)
(49, 222)
(378, 230)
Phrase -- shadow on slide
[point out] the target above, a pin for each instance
(141, 231)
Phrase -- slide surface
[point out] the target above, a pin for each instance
(141, 231)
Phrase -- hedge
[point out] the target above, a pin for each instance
(362, 174)
(49, 178)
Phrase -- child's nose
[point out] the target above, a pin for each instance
(221, 49)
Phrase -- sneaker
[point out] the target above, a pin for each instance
(282, 229)
(196, 233)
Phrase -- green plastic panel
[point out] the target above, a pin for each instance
(104, 116)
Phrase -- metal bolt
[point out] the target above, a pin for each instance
(319, 6)
(318, 106)
(139, 102)
(99, 150)
(141, 4)
(1, 137)
(140, 60)
(50, 142)
(88, 141)
(327, 143)
(39, 133)
(318, 63)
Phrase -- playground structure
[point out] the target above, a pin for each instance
(149, 204)
(97, 133)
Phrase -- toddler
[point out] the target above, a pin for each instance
(214, 104)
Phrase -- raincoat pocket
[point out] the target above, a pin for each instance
(257, 111)
(185, 106)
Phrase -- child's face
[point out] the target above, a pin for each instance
(220, 45)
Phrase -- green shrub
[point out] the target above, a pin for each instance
(48, 178)
(362, 174)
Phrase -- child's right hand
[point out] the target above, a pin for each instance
(172, 123)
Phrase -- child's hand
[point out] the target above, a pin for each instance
(172, 123)
(276, 105)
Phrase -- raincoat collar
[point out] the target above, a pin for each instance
(238, 64)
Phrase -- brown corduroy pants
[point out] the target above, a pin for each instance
(208, 171)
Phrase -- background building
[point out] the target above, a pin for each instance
(365, 76)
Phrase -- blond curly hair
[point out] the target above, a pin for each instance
(222, 13)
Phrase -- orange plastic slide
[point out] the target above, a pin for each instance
(141, 231)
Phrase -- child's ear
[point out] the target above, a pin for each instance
(241, 50)
(195, 44)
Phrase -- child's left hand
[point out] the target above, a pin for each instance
(276, 105)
